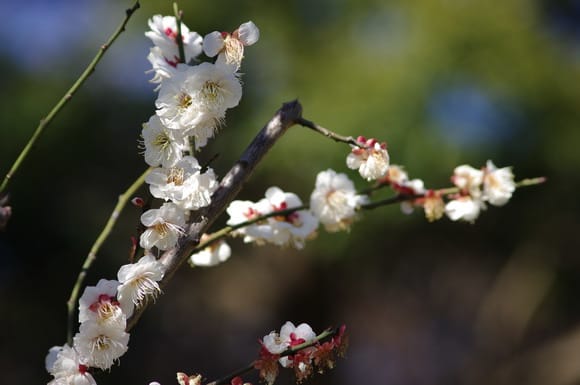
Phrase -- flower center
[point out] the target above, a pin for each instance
(161, 228)
(162, 141)
(336, 199)
(176, 176)
(184, 100)
(211, 92)
(102, 342)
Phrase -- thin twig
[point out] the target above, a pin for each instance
(68, 96)
(329, 134)
(92, 256)
(179, 37)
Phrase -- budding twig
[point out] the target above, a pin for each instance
(225, 231)
(179, 38)
(92, 256)
(44, 122)
(328, 333)
(326, 132)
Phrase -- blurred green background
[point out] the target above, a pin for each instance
(444, 82)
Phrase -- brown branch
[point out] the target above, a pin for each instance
(329, 134)
(231, 184)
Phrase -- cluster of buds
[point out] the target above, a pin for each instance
(473, 189)
(298, 348)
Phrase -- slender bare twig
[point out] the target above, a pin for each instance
(92, 256)
(179, 37)
(329, 134)
(68, 96)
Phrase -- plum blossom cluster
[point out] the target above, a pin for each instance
(298, 348)
(103, 313)
(294, 347)
(281, 219)
(190, 107)
(473, 189)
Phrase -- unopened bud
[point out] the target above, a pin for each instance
(138, 202)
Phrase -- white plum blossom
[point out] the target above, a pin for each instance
(162, 146)
(465, 208)
(65, 364)
(229, 47)
(286, 229)
(184, 379)
(161, 68)
(243, 211)
(334, 200)
(468, 179)
(289, 336)
(100, 345)
(164, 226)
(498, 184)
(212, 255)
(99, 304)
(294, 228)
(139, 282)
(183, 184)
(396, 175)
(370, 158)
(195, 99)
(163, 34)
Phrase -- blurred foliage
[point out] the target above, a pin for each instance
(444, 82)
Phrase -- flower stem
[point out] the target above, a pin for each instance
(44, 122)
(92, 256)
(179, 38)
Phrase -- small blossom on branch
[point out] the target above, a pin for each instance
(334, 201)
(292, 228)
(139, 282)
(99, 304)
(195, 99)
(184, 379)
(67, 367)
(183, 184)
(164, 226)
(370, 158)
(464, 207)
(100, 346)
(163, 34)
(498, 184)
(214, 254)
(162, 146)
(468, 180)
(229, 47)
(304, 352)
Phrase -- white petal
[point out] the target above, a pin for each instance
(248, 33)
(213, 43)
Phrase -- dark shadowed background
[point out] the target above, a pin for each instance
(444, 82)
